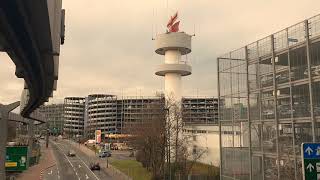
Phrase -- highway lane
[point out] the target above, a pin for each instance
(68, 168)
(87, 160)
(81, 162)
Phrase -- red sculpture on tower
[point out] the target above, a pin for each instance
(172, 25)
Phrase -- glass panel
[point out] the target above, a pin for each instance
(296, 34)
(235, 157)
(315, 59)
(301, 101)
(253, 74)
(256, 137)
(269, 137)
(264, 46)
(252, 51)
(298, 62)
(266, 73)
(287, 168)
(257, 167)
(314, 26)
(285, 139)
(267, 105)
(303, 133)
(240, 107)
(255, 102)
(270, 168)
(316, 98)
(284, 107)
(280, 40)
(225, 109)
(282, 68)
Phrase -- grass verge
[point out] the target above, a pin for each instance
(132, 168)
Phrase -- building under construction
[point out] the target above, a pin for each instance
(269, 101)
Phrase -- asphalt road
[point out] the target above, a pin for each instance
(72, 168)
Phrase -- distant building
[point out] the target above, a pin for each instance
(74, 110)
(101, 114)
(200, 110)
(54, 115)
(135, 109)
(200, 117)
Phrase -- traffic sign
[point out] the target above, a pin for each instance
(310, 153)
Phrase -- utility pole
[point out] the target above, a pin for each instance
(30, 144)
(47, 135)
(4, 112)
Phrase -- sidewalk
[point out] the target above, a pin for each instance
(35, 172)
(110, 170)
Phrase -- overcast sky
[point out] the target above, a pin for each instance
(108, 47)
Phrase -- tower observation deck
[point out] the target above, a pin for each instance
(173, 45)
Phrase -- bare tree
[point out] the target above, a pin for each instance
(161, 145)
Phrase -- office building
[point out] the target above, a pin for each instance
(54, 115)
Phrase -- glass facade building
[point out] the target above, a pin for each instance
(269, 104)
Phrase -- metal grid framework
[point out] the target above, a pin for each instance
(102, 114)
(199, 110)
(135, 109)
(74, 108)
(269, 100)
(54, 117)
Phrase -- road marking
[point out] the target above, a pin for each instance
(67, 159)
(79, 166)
(65, 156)
(87, 177)
(88, 168)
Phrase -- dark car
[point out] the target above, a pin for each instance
(95, 166)
(71, 153)
(105, 154)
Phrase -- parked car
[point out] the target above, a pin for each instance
(104, 154)
(90, 142)
(95, 166)
(71, 153)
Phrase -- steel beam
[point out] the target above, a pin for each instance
(276, 118)
(313, 121)
(248, 112)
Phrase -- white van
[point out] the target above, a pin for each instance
(90, 142)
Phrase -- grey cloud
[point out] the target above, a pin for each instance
(108, 45)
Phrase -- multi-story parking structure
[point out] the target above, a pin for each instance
(199, 110)
(101, 114)
(136, 109)
(74, 108)
(270, 94)
(200, 117)
(53, 114)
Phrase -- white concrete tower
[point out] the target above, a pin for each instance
(173, 45)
